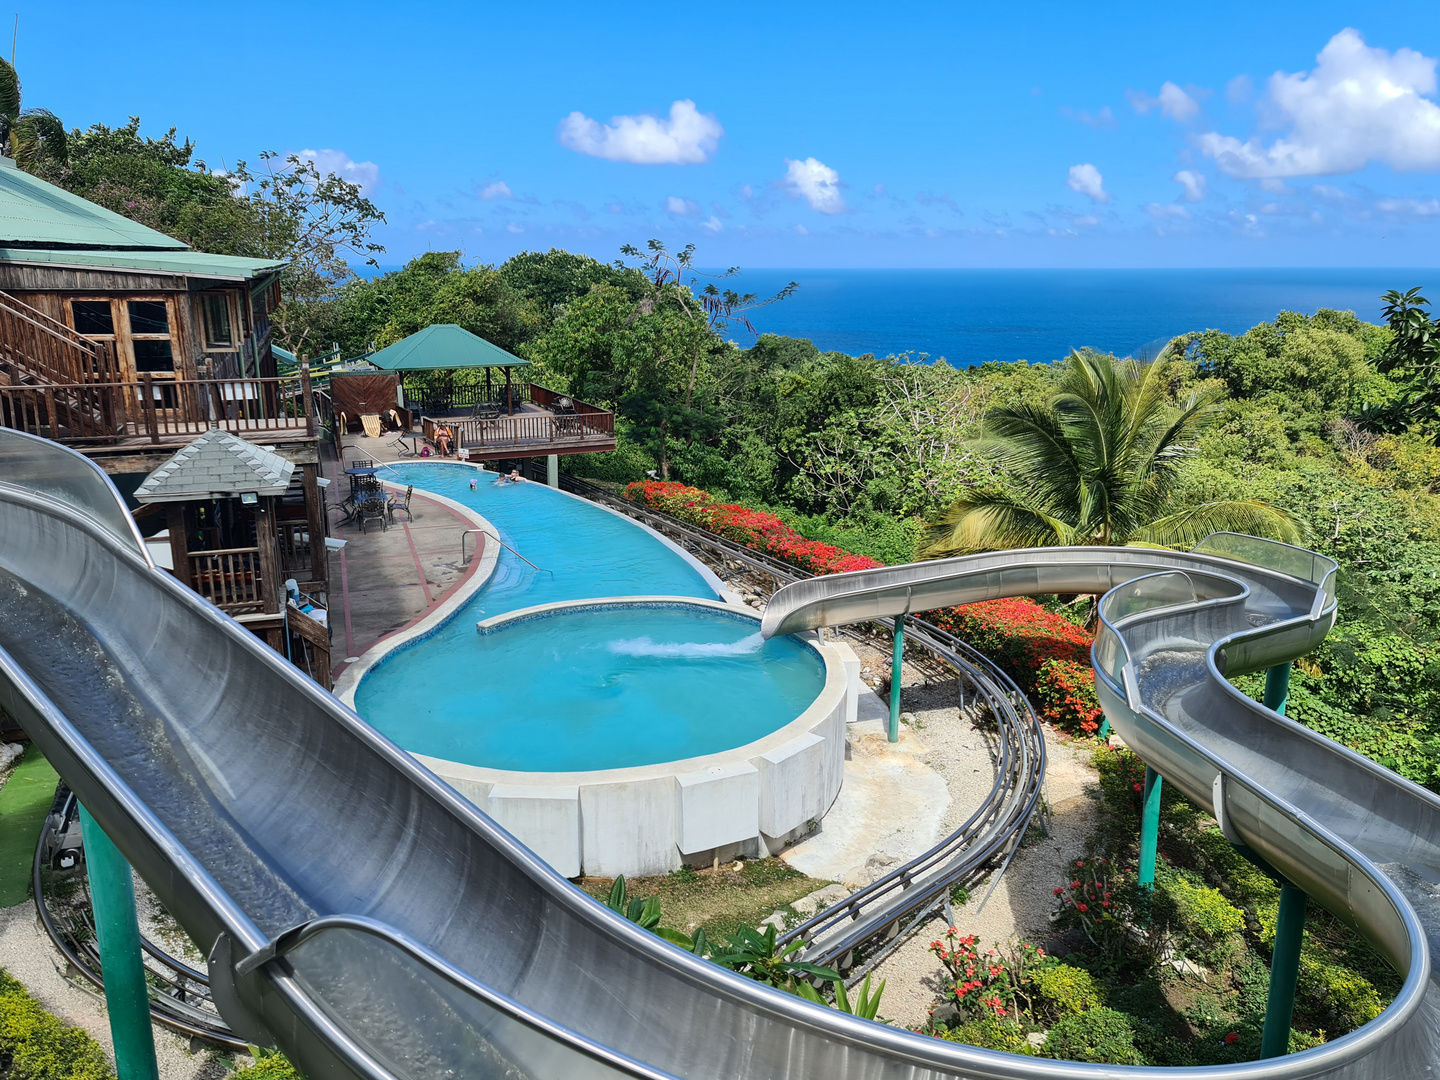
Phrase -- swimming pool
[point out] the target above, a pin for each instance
(608, 675)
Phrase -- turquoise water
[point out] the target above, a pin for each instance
(604, 688)
(588, 690)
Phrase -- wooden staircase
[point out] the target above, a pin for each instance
(75, 380)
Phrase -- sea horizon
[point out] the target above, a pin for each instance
(970, 316)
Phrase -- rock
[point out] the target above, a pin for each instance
(776, 920)
(10, 752)
(1188, 967)
(1036, 1038)
(820, 898)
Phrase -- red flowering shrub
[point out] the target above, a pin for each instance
(1096, 901)
(1047, 655)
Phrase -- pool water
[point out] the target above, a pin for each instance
(594, 689)
(600, 688)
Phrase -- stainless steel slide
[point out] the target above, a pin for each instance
(369, 921)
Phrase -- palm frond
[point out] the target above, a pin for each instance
(9, 93)
(994, 522)
(1186, 528)
(38, 137)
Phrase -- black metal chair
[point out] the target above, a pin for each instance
(396, 503)
(373, 506)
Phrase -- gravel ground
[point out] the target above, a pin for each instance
(1022, 902)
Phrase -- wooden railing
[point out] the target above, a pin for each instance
(158, 408)
(35, 348)
(532, 430)
(441, 396)
(293, 538)
(229, 579)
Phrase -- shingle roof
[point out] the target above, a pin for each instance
(33, 212)
(443, 345)
(216, 463)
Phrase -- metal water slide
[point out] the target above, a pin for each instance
(365, 918)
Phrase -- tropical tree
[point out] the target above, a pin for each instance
(30, 136)
(1100, 463)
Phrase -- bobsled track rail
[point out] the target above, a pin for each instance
(179, 994)
(858, 932)
(359, 914)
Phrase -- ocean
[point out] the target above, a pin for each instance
(971, 316)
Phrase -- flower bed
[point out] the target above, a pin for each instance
(1046, 654)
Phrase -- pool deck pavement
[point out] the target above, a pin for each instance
(384, 580)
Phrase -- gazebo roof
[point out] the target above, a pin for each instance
(443, 345)
(217, 463)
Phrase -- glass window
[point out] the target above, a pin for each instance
(153, 356)
(216, 307)
(149, 317)
(92, 316)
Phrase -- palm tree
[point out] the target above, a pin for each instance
(31, 136)
(1099, 464)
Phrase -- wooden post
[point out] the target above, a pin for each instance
(268, 557)
(509, 398)
(305, 396)
(179, 545)
(147, 391)
(315, 525)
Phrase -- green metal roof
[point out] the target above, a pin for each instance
(443, 345)
(181, 261)
(33, 212)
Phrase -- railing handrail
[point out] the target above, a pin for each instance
(224, 551)
(503, 544)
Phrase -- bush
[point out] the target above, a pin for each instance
(1065, 692)
(269, 1065)
(1348, 998)
(41, 1047)
(1101, 1035)
(1062, 990)
(1201, 910)
(627, 462)
(989, 1034)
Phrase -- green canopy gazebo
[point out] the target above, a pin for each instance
(447, 347)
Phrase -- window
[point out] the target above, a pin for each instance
(151, 355)
(149, 317)
(92, 317)
(216, 310)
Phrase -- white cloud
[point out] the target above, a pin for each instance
(1105, 118)
(1193, 183)
(714, 225)
(682, 207)
(817, 183)
(801, 230)
(1173, 101)
(498, 190)
(1357, 106)
(1239, 90)
(514, 227)
(688, 137)
(1165, 211)
(1410, 207)
(1086, 179)
(364, 173)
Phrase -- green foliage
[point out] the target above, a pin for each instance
(40, 1047)
(1201, 910)
(269, 1065)
(1061, 990)
(1100, 1035)
(1348, 997)
(988, 1033)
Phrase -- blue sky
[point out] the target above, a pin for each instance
(797, 135)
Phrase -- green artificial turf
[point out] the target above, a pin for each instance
(24, 801)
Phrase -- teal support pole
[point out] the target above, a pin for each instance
(1284, 971)
(112, 894)
(1104, 731)
(896, 660)
(1277, 687)
(1149, 827)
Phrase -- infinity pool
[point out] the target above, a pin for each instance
(595, 688)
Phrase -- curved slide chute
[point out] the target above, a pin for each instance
(364, 917)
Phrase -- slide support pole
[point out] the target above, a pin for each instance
(112, 894)
(1149, 827)
(1284, 971)
(552, 470)
(1277, 687)
(896, 662)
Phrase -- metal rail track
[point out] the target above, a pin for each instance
(861, 930)
(179, 994)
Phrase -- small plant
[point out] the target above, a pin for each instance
(1094, 902)
(36, 1046)
(1064, 990)
(1101, 1035)
(989, 1034)
(269, 1065)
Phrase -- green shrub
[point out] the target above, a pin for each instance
(269, 1065)
(1202, 911)
(39, 1046)
(1061, 990)
(989, 1034)
(1348, 997)
(625, 464)
(1100, 1035)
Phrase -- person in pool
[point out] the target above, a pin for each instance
(513, 478)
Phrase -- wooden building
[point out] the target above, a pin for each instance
(124, 344)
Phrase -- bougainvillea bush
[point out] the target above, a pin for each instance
(1047, 655)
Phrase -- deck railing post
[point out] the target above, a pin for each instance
(305, 396)
(1277, 687)
(1284, 969)
(897, 659)
(112, 896)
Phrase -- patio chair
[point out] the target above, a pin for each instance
(485, 410)
(397, 503)
(373, 506)
(565, 406)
